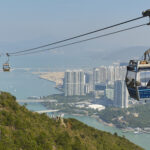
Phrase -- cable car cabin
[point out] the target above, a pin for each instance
(6, 67)
(138, 79)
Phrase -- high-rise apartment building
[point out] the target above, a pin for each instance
(110, 73)
(81, 82)
(99, 75)
(74, 82)
(109, 93)
(68, 83)
(120, 94)
(96, 76)
(77, 82)
(122, 72)
(89, 82)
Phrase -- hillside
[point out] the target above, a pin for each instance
(137, 116)
(21, 129)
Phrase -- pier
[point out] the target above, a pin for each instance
(37, 101)
(46, 111)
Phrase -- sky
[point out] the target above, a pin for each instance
(30, 23)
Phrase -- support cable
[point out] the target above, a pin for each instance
(88, 39)
(78, 36)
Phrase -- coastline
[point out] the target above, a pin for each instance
(57, 87)
(124, 130)
(97, 118)
(47, 80)
(91, 121)
(140, 139)
(50, 76)
(103, 122)
(55, 77)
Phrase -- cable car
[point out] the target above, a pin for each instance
(6, 67)
(138, 78)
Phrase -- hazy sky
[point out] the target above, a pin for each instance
(29, 23)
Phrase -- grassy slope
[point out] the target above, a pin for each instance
(21, 129)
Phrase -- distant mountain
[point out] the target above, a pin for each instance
(72, 58)
(109, 56)
(125, 54)
(21, 129)
(122, 54)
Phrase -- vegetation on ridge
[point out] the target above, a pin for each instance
(21, 129)
(137, 116)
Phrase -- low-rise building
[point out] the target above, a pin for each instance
(96, 107)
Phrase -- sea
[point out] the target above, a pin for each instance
(21, 83)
